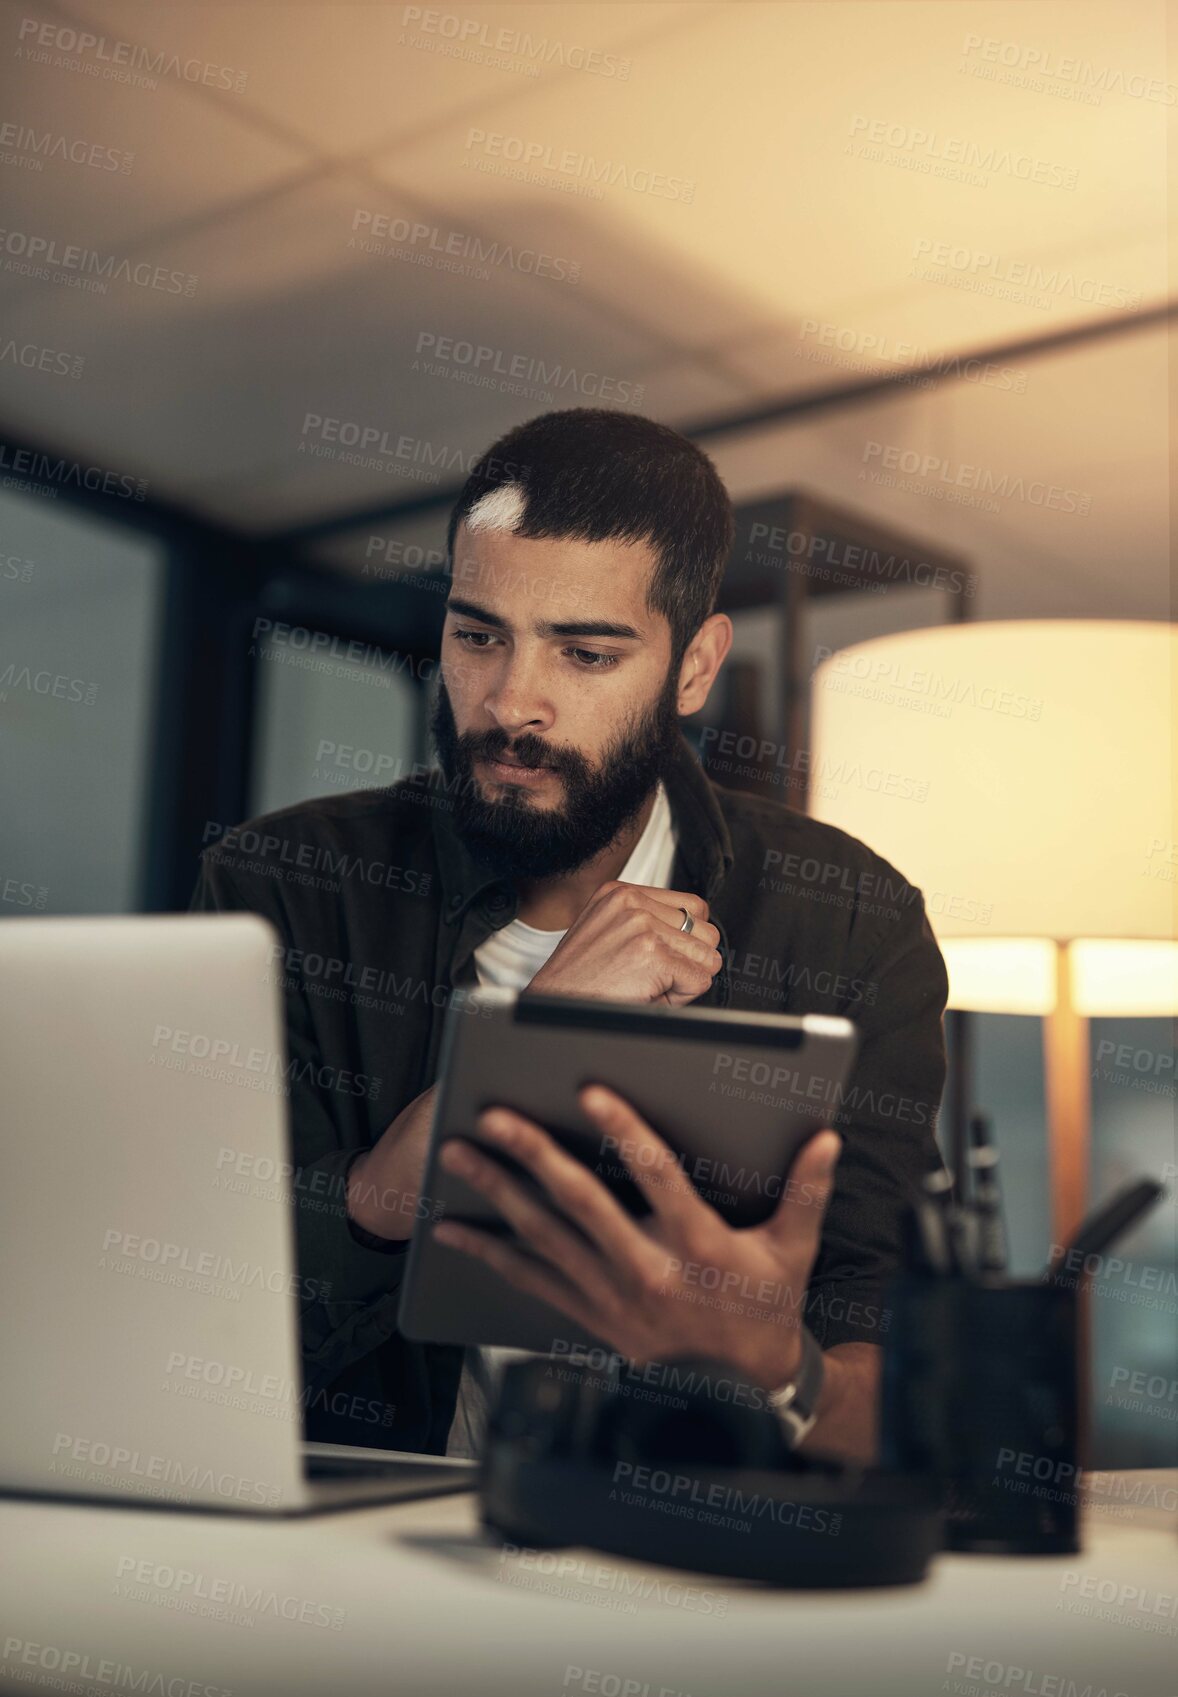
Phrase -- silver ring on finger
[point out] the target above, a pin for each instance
(688, 924)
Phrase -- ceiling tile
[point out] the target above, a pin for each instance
(349, 77)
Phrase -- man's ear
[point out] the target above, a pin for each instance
(705, 655)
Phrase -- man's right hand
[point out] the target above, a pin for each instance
(626, 945)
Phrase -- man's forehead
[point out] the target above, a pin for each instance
(528, 579)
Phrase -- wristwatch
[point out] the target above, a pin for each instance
(795, 1404)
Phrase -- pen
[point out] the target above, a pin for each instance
(914, 1255)
(933, 1217)
(987, 1190)
(962, 1223)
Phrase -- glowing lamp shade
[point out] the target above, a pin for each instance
(1000, 974)
(1018, 975)
(1023, 776)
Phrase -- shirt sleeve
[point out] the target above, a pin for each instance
(887, 1120)
(349, 1280)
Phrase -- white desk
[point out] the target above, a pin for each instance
(425, 1605)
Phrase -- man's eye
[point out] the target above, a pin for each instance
(592, 660)
(588, 659)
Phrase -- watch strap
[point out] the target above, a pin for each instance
(795, 1404)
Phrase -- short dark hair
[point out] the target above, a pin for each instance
(598, 475)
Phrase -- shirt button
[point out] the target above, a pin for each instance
(497, 901)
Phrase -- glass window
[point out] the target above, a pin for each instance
(80, 606)
(331, 716)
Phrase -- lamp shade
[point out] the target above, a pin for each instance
(1021, 773)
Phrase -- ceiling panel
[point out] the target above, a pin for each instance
(351, 77)
(761, 127)
(799, 196)
(97, 165)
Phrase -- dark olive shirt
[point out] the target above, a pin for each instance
(378, 908)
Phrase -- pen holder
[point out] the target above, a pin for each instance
(980, 1391)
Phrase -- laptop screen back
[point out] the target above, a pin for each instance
(149, 1328)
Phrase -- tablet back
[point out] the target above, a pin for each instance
(733, 1094)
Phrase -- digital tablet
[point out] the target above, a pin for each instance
(734, 1095)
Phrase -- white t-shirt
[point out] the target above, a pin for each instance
(512, 956)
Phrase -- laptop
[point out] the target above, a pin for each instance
(149, 1333)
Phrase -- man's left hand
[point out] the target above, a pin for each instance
(679, 1282)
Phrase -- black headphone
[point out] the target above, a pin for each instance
(684, 1465)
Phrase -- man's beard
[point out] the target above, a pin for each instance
(518, 840)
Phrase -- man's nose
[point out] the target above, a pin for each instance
(517, 701)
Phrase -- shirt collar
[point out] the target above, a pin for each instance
(704, 841)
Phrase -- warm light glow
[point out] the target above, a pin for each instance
(1017, 975)
(1000, 974)
(1021, 773)
(1139, 980)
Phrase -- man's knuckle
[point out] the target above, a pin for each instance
(490, 1179)
(547, 1237)
(610, 1311)
(527, 1280)
(579, 1194)
(525, 1143)
(698, 1248)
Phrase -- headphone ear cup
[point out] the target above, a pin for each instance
(692, 1413)
(547, 1411)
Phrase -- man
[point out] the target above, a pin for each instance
(564, 842)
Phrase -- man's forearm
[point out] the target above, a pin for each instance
(384, 1184)
(847, 1426)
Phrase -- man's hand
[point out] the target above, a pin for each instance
(624, 945)
(627, 945)
(680, 1282)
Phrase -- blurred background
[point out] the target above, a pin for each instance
(272, 277)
